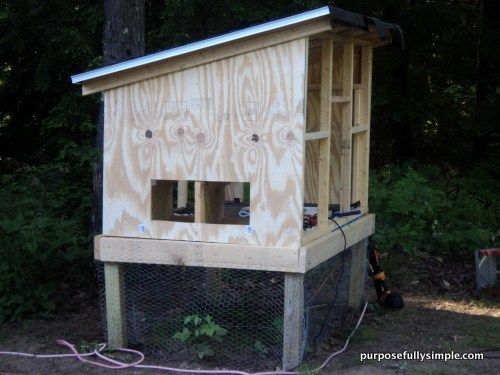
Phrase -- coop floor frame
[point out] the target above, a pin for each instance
(223, 255)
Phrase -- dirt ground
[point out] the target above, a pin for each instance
(438, 316)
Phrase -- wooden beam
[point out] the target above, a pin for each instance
(205, 56)
(293, 320)
(365, 114)
(182, 194)
(356, 152)
(331, 243)
(196, 254)
(162, 199)
(115, 305)
(357, 274)
(345, 154)
(360, 129)
(209, 201)
(317, 135)
(325, 125)
(340, 99)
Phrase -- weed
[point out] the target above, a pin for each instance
(200, 333)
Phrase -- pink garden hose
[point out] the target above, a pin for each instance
(114, 364)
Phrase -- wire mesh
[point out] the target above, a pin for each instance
(162, 301)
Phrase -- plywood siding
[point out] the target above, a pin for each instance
(202, 120)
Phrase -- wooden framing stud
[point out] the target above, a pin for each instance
(364, 118)
(209, 201)
(161, 199)
(325, 125)
(182, 194)
(293, 320)
(115, 305)
(345, 152)
(357, 274)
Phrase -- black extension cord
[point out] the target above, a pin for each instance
(330, 307)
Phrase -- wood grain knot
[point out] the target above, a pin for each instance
(290, 136)
(255, 138)
(200, 137)
(149, 134)
(179, 131)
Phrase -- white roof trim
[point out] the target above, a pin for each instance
(196, 46)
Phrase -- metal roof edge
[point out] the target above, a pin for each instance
(202, 44)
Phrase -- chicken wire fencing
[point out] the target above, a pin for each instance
(195, 317)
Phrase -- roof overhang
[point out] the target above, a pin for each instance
(330, 16)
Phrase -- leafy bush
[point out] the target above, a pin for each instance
(200, 333)
(43, 237)
(421, 209)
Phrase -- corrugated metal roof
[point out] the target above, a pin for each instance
(197, 46)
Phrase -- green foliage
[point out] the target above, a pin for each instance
(43, 237)
(260, 349)
(200, 334)
(436, 101)
(421, 209)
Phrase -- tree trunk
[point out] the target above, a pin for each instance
(123, 39)
(486, 78)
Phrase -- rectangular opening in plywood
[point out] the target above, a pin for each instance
(311, 184)
(172, 200)
(223, 202)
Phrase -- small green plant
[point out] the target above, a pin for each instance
(200, 334)
(261, 349)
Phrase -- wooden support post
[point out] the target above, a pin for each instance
(357, 274)
(209, 202)
(293, 320)
(345, 146)
(234, 190)
(325, 125)
(182, 194)
(161, 199)
(115, 305)
(365, 113)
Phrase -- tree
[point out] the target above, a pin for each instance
(123, 39)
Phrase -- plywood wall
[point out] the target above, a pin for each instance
(201, 121)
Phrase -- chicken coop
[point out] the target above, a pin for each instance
(234, 169)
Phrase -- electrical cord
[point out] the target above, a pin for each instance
(330, 307)
(118, 365)
(138, 363)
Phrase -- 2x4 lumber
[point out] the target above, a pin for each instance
(357, 274)
(365, 114)
(332, 242)
(209, 201)
(365, 39)
(115, 305)
(317, 86)
(202, 57)
(360, 129)
(356, 152)
(293, 320)
(315, 233)
(345, 152)
(162, 199)
(196, 254)
(317, 135)
(325, 125)
(340, 99)
(182, 194)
